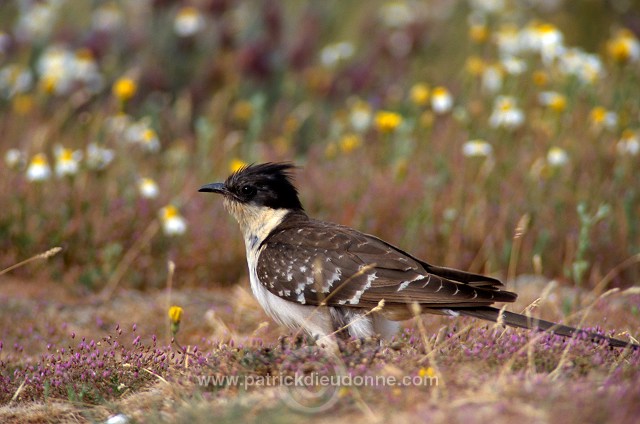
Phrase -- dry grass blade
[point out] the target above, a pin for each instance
(159, 377)
(519, 233)
(128, 259)
(49, 253)
(323, 304)
(602, 284)
(18, 391)
(377, 308)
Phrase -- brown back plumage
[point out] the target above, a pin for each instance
(315, 262)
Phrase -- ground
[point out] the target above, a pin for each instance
(482, 372)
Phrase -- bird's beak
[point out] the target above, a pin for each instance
(213, 188)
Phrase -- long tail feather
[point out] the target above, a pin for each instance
(522, 321)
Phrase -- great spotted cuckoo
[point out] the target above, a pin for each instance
(323, 276)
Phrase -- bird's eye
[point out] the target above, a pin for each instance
(248, 190)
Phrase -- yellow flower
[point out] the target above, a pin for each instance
(67, 161)
(587, 68)
(172, 222)
(85, 55)
(477, 148)
(38, 169)
(557, 157)
(602, 118)
(291, 124)
(175, 315)
(475, 66)
(387, 121)
(139, 133)
(360, 116)
(48, 83)
(349, 143)
(624, 47)
(540, 78)
(506, 114)
(419, 94)
(242, 111)
(558, 103)
(150, 140)
(124, 89)
(478, 33)
(553, 100)
(148, 188)
(597, 114)
(427, 372)
(236, 164)
(629, 143)
(188, 22)
(22, 104)
(441, 100)
(507, 38)
(542, 35)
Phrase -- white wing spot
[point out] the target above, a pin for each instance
(428, 281)
(329, 283)
(403, 285)
(356, 297)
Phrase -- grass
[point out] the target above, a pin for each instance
(529, 175)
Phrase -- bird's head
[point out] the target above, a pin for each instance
(257, 189)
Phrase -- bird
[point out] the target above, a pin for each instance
(330, 279)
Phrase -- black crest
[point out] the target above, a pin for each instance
(268, 184)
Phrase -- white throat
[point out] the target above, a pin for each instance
(256, 222)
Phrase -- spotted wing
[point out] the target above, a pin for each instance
(314, 262)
